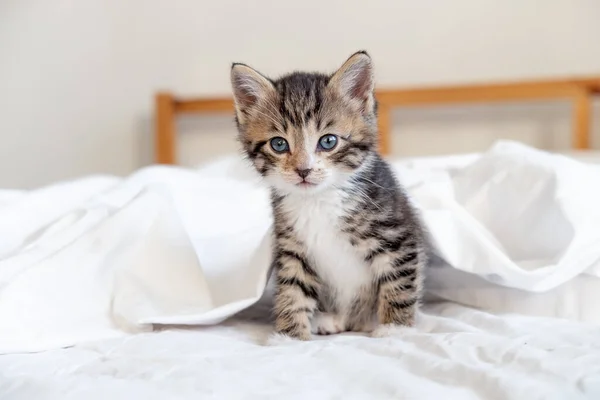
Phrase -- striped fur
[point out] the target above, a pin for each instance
(349, 248)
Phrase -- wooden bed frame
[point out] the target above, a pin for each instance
(579, 91)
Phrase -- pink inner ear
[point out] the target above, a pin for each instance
(362, 84)
(245, 94)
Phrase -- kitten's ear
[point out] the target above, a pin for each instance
(249, 87)
(354, 80)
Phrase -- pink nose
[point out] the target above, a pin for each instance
(303, 173)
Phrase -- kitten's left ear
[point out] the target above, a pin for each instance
(354, 80)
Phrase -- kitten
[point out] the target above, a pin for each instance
(349, 249)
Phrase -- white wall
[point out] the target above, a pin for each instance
(77, 77)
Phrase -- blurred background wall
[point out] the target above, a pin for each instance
(77, 77)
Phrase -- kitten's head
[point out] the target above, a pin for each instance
(307, 131)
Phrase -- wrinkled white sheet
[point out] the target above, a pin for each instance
(99, 257)
(516, 229)
(516, 216)
(165, 245)
(455, 353)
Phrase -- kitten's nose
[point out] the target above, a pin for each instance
(303, 172)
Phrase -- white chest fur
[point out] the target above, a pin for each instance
(316, 221)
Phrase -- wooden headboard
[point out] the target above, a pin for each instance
(579, 91)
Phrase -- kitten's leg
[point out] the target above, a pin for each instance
(327, 323)
(361, 317)
(398, 281)
(296, 296)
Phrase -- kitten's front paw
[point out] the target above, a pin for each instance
(326, 324)
(387, 330)
(279, 339)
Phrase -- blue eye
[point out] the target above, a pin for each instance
(279, 145)
(328, 142)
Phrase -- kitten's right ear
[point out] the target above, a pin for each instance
(249, 87)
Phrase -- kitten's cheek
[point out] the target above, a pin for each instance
(261, 166)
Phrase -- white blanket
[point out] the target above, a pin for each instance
(99, 257)
(456, 353)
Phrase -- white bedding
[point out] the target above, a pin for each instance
(96, 262)
(456, 353)
(531, 213)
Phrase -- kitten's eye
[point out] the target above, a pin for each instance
(328, 142)
(279, 145)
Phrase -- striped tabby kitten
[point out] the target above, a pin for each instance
(349, 249)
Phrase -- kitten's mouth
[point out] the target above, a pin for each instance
(305, 184)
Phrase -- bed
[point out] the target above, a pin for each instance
(126, 287)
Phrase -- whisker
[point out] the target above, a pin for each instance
(355, 190)
(373, 183)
